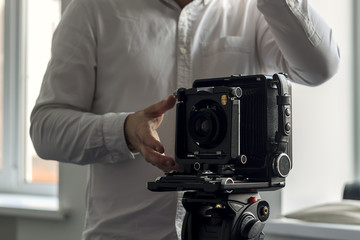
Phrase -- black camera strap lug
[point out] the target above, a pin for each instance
(282, 163)
(284, 105)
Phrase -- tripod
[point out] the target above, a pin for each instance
(224, 216)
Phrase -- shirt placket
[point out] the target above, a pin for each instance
(184, 41)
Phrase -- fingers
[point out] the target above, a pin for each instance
(153, 152)
(165, 163)
(161, 107)
(153, 142)
(140, 130)
(141, 135)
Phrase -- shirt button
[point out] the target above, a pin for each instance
(183, 50)
(291, 4)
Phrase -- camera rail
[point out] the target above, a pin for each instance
(175, 182)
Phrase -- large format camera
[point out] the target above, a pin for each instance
(232, 134)
(233, 138)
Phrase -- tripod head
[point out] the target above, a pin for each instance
(224, 216)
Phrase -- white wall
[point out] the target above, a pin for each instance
(8, 228)
(72, 187)
(323, 124)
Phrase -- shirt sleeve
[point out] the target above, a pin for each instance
(294, 38)
(62, 125)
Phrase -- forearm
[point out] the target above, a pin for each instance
(307, 49)
(69, 135)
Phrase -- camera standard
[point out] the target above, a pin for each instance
(233, 138)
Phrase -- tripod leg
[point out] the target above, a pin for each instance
(186, 230)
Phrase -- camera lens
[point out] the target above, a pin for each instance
(202, 126)
(207, 124)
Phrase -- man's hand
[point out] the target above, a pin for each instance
(141, 135)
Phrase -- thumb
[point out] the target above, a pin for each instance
(161, 107)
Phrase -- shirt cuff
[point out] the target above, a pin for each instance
(114, 137)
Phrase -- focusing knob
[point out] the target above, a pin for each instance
(282, 165)
(179, 93)
(236, 92)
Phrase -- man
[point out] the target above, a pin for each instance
(112, 58)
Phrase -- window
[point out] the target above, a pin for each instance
(41, 20)
(1, 75)
(356, 29)
(26, 31)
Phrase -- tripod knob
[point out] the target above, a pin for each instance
(249, 227)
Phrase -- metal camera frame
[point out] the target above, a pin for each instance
(220, 203)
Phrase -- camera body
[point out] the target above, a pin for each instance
(232, 134)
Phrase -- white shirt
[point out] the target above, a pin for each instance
(112, 57)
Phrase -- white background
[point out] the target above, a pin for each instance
(323, 124)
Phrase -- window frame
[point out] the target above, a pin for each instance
(356, 46)
(12, 176)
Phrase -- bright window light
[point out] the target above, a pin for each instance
(1, 77)
(42, 17)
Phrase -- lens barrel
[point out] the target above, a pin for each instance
(207, 125)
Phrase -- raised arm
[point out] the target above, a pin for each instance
(304, 46)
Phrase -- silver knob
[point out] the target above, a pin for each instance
(282, 165)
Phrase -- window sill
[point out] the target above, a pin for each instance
(30, 206)
(295, 228)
